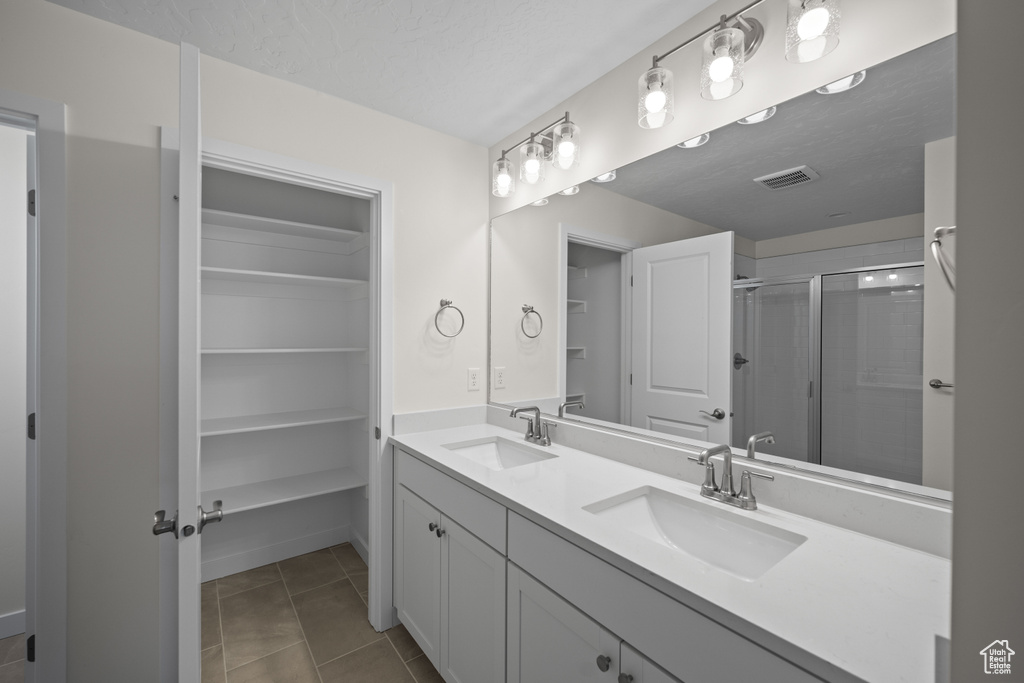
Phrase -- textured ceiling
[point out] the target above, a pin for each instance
(867, 144)
(475, 69)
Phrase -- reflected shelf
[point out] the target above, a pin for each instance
(252, 350)
(267, 277)
(578, 352)
(285, 490)
(277, 226)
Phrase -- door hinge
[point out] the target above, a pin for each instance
(32, 426)
(31, 202)
(376, 433)
(30, 648)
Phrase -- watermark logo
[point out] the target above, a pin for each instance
(997, 657)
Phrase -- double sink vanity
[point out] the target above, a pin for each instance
(598, 558)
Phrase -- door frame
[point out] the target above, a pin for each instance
(260, 163)
(47, 607)
(569, 233)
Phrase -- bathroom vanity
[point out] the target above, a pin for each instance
(526, 563)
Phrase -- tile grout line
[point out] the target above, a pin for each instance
(223, 648)
(302, 629)
(404, 663)
(372, 642)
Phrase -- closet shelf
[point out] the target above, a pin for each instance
(266, 277)
(576, 352)
(277, 226)
(329, 349)
(576, 272)
(576, 306)
(276, 491)
(581, 396)
(257, 423)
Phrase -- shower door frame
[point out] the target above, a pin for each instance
(814, 333)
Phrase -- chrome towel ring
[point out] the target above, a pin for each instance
(447, 303)
(527, 310)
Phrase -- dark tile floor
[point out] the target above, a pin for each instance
(12, 660)
(302, 620)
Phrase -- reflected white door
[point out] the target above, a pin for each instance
(682, 338)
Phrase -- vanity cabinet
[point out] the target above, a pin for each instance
(550, 640)
(449, 578)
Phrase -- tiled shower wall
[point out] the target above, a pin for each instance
(843, 258)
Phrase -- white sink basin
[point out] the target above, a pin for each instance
(498, 453)
(730, 541)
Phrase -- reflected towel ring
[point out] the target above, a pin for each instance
(527, 310)
(942, 258)
(447, 303)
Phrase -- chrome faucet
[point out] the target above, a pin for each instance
(767, 437)
(569, 404)
(725, 493)
(536, 430)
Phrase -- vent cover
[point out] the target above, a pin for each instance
(788, 178)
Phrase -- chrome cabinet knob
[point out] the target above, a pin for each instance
(717, 413)
(604, 663)
(162, 526)
(440, 532)
(432, 526)
(215, 515)
(625, 678)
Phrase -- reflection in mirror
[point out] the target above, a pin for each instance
(826, 331)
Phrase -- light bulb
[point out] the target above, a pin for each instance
(501, 191)
(893, 276)
(813, 23)
(655, 102)
(869, 278)
(656, 120)
(531, 166)
(722, 67)
(504, 180)
(566, 148)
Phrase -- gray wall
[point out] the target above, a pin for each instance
(988, 525)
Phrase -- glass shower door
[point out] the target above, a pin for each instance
(871, 372)
(772, 366)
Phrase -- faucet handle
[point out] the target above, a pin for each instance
(746, 495)
(544, 433)
(709, 486)
(529, 426)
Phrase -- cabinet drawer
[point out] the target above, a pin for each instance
(685, 642)
(477, 513)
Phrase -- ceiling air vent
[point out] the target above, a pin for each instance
(788, 178)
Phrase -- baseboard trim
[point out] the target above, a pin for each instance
(12, 623)
(362, 546)
(257, 557)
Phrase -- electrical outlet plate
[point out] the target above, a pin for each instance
(499, 378)
(473, 379)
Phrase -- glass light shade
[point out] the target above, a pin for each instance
(565, 151)
(843, 84)
(721, 73)
(503, 178)
(812, 29)
(695, 142)
(531, 163)
(655, 102)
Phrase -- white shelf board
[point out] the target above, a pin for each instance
(266, 277)
(578, 352)
(576, 272)
(282, 350)
(277, 226)
(581, 396)
(257, 423)
(576, 305)
(276, 491)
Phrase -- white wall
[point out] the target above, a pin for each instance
(13, 279)
(988, 525)
(939, 315)
(884, 230)
(119, 87)
(873, 31)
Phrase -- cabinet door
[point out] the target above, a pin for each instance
(418, 570)
(472, 608)
(635, 668)
(550, 640)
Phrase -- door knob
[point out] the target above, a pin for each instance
(604, 663)
(939, 384)
(162, 526)
(215, 515)
(738, 361)
(717, 413)
(625, 678)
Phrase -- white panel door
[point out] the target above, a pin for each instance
(682, 337)
(472, 608)
(189, 203)
(635, 668)
(550, 640)
(418, 571)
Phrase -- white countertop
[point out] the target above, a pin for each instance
(868, 607)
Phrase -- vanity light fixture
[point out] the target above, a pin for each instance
(604, 177)
(531, 162)
(812, 29)
(732, 41)
(695, 142)
(758, 117)
(557, 143)
(843, 84)
(503, 177)
(569, 191)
